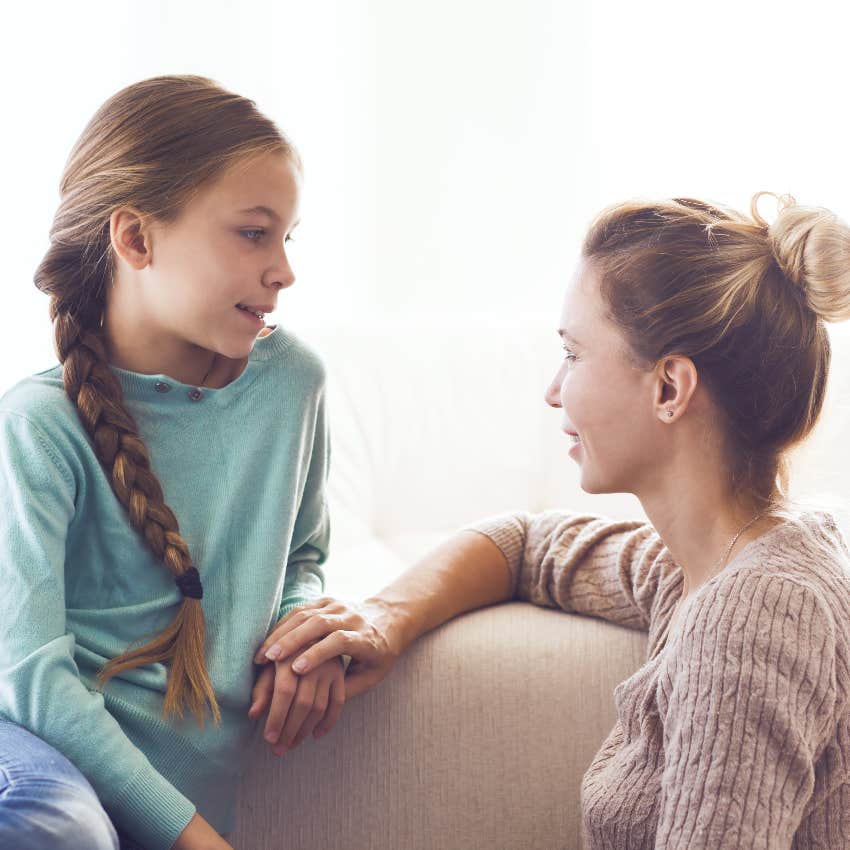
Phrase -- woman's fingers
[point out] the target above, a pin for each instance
(307, 623)
(291, 621)
(297, 635)
(337, 643)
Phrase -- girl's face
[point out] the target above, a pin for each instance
(604, 398)
(228, 246)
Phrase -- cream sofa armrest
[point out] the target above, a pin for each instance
(479, 737)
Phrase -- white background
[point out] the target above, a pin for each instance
(454, 151)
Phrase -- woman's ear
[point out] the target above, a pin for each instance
(676, 383)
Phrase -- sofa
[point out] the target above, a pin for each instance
(480, 735)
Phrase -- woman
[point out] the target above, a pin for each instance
(696, 358)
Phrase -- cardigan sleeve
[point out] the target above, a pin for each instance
(40, 685)
(586, 564)
(305, 579)
(751, 705)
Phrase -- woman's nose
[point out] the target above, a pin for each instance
(552, 396)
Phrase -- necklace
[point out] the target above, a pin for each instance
(203, 380)
(721, 562)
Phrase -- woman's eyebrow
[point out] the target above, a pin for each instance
(565, 334)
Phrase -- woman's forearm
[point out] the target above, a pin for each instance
(465, 572)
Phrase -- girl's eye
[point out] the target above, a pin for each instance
(569, 355)
(260, 233)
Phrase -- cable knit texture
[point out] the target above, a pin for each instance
(243, 467)
(735, 733)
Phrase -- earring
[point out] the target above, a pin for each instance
(669, 412)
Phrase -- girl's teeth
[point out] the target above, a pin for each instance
(257, 313)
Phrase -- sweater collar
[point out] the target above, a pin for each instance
(162, 388)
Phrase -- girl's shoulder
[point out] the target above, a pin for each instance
(39, 397)
(291, 352)
(36, 414)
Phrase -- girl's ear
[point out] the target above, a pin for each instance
(130, 237)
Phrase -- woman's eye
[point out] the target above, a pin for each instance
(253, 230)
(568, 355)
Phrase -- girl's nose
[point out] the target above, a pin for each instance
(283, 275)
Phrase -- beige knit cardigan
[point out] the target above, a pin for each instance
(735, 733)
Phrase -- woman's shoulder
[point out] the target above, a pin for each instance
(799, 566)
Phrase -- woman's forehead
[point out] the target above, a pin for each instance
(581, 313)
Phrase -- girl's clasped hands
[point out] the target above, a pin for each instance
(310, 700)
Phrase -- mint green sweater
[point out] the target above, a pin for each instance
(244, 469)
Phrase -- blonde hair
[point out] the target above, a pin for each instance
(153, 145)
(746, 301)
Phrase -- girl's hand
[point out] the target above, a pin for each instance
(364, 631)
(199, 835)
(299, 704)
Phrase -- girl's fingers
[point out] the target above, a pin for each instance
(285, 686)
(336, 701)
(261, 694)
(308, 700)
(317, 713)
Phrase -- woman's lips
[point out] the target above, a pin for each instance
(576, 441)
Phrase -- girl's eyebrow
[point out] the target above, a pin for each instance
(260, 208)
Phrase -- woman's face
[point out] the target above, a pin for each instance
(224, 250)
(607, 401)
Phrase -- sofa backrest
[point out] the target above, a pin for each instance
(436, 422)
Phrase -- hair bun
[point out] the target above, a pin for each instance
(811, 245)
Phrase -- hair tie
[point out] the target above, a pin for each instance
(190, 583)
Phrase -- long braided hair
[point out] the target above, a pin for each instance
(152, 145)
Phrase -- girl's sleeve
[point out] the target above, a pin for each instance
(40, 684)
(305, 579)
(586, 564)
(753, 697)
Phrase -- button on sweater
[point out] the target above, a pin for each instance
(244, 469)
(735, 733)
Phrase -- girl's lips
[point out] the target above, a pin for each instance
(257, 323)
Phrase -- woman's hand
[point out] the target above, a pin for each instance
(299, 704)
(330, 628)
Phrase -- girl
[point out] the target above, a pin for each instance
(171, 399)
(696, 358)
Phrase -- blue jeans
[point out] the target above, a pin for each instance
(45, 802)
